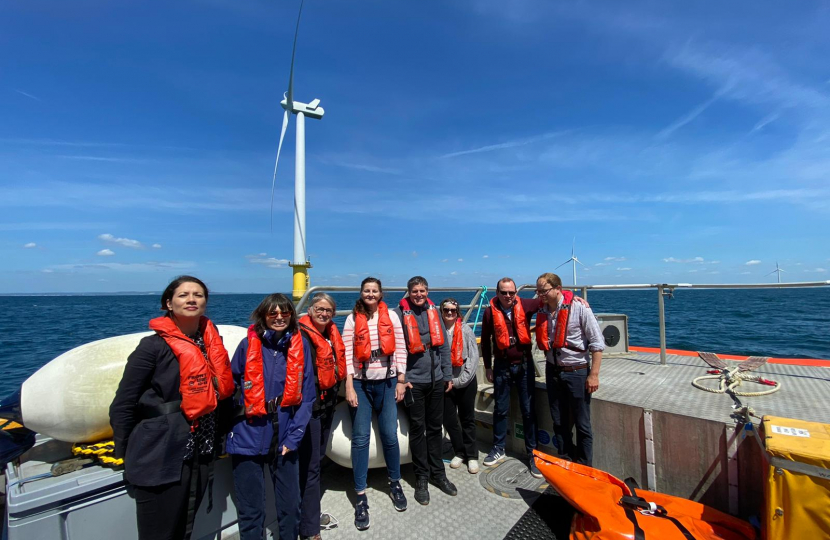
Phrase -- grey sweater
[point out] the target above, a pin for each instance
(435, 363)
(464, 374)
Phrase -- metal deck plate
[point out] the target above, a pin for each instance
(511, 479)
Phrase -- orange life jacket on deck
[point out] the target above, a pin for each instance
(413, 335)
(253, 386)
(362, 338)
(458, 344)
(200, 379)
(608, 509)
(331, 357)
(560, 336)
(500, 324)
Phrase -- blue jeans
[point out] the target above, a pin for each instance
(523, 377)
(249, 485)
(375, 396)
(568, 399)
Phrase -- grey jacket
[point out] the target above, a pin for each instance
(464, 374)
(435, 363)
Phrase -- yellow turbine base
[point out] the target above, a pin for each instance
(301, 280)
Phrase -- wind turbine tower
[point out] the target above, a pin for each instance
(778, 271)
(572, 260)
(300, 264)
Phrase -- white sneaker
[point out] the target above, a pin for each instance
(456, 462)
(472, 466)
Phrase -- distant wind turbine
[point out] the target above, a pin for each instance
(573, 260)
(776, 271)
(312, 110)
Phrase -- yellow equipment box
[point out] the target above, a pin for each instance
(797, 483)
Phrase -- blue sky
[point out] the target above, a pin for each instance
(462, 140)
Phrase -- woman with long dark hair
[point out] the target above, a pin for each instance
(274, 370)
(375, 367)
(164, 413)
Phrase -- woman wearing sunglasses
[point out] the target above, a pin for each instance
(329, 354)
(459, 403)
(274, 370)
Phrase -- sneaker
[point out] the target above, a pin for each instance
(495, 456)
(315, 537)
(361, 513)
(397, 496)
(445, 485)
(472, 466)
(456, 462)
(534, 470)
(422, 490)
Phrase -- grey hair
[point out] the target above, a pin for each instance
(325, 297)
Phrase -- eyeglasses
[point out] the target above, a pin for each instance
(279, 315)
(449, 311)
(321, 310)
(543, 293)
(508, 293)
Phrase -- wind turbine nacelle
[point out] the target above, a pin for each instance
(311, 110)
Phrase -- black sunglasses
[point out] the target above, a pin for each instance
(449, 310)
(508, 293)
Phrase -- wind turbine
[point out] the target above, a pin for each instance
(776, 271)
(573, 260)
(301, 263)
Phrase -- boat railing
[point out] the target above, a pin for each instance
(663, 290)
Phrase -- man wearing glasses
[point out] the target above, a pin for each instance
(506, 324)
(569, 335)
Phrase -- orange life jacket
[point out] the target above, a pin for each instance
(362, 338)
(458, 344)
(253, 386)
(608, 509)
(331, 357)
(500, 325)
(200, 379)
(560, 336)
(413, 335)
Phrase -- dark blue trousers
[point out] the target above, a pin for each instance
(249, 485)
(523, 377)
(570, 405)
(312, 450)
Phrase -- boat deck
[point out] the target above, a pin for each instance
(638, 379)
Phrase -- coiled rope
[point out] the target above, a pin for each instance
(729, 379)
(102, 450)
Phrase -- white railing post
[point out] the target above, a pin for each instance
(662, 316)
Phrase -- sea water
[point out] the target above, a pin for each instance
(790, 323)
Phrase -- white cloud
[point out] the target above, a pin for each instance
(156, 246)
(618, 259)
(486, 257)
(150, 266)
(47, 271)
(30, 245)
(603, 264)
(753, 262)
(818, 270)
(623, 269)
(445, 260)
(270, 262)
(105, 253)
(745, 273)
(460, 260)
(453, 273)
(414, 253)
(126, 242)
(683, 261)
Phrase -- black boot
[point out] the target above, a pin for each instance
(445, 485)
(422, 490)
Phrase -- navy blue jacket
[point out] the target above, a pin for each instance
(252, 437)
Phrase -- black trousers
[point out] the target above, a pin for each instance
(460, 419)
(426, 416)
(312, 450)
(161, 511)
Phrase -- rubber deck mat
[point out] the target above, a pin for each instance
(548, 518)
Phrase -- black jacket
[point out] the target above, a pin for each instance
(153, 449)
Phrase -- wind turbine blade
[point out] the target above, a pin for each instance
(580, 262)
(290, 94)
(276, 163)
(563, 264)
(573, 247)
(771, 273)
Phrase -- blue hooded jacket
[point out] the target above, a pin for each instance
(252, 437)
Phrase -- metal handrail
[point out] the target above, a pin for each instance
(663, 290)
